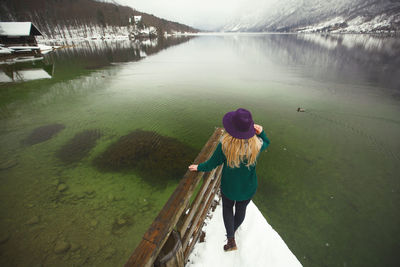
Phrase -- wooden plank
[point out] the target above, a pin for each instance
(208, 194)
(193, 209)
(200, 223)
(189, 206)
(196, 234)
(141, 254)
(178, 260)
(171, 255)
(166, 220)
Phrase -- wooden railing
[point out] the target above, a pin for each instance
(180, 217)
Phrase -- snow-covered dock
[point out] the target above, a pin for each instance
(259, 245)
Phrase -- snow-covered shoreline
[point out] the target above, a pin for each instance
(65, 34)
(259, 245)
(359, 24)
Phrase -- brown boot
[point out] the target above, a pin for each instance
(230, 245)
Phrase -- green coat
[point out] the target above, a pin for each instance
(236, 183)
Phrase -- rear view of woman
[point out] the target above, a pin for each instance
(238, 150)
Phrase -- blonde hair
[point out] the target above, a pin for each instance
(240, 150)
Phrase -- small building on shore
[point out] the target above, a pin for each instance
(18, 39)
(18, 34)
(137, 19)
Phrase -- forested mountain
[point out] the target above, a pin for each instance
(52, 15)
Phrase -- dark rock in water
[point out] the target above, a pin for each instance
(75, 247)
(158, 159)
(78, 147)
(62, 187)
(109, 253)
(43, 133)
(94, 223)
(33, 220)
(61, 247)
(111, 197)
(4, 237)
(8, 164)
(120, 223)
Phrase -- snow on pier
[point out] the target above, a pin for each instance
(258, 244)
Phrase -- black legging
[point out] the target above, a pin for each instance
(232, 222)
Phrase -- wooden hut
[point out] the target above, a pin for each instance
(18, 34)
(18, 39)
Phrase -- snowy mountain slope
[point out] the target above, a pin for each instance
(83, 18)
(317, 15)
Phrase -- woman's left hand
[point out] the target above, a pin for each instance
(258, 128)
(193, 168)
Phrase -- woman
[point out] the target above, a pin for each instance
(238, 150)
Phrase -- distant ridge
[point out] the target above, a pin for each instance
(49, 15)
(345, 16)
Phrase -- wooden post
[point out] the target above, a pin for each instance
(173, 252)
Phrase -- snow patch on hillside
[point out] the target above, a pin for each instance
(360, 24)
(86, 32)
(349, 16)
(65, 34)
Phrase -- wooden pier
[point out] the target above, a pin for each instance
(174, 232)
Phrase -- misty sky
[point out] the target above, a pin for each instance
(203, 14)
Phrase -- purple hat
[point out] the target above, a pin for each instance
(239, 124)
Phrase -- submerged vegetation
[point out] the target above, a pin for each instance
(158, 159)
(78, 147)
(43, 133)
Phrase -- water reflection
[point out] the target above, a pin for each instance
(86, 54)
(363, 59)
(66, 69)
(383, 44)
(97, 54)
(26, 70)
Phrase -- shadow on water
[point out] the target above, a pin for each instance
(43, 133)
(78, 147)
(158, 159)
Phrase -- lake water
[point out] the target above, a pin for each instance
(329, 182)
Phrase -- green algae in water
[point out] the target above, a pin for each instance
(43, 133)
(158, 159)
(78, 147)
